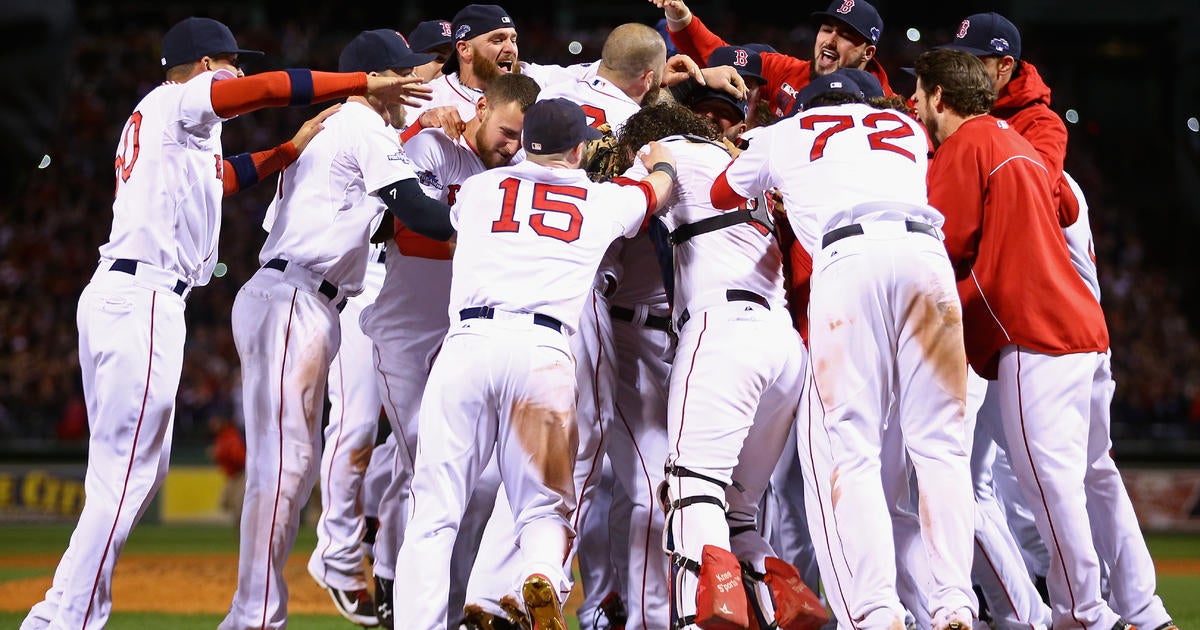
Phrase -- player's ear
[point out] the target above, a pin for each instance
(869, 53)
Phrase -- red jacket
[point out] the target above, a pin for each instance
(1025, 104)
(785, 75)
(1015, 276)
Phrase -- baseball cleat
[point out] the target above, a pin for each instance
(960, 619)
(541, 603)
(383, 602)
(1123, 625)
(515, 612)
(476, 618)
(356, 605)
(1169, 625)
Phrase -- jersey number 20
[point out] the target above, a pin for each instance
(542, 201)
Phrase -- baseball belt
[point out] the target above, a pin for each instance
(327, 288)
(731, 295)
(855, 229)
(126, 265)
(488, 312)
(656, 322)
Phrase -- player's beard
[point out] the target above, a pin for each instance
(487, 69)
(933, 127)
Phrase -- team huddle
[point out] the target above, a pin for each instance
(749, 341)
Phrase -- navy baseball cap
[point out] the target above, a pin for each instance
(858, 15)
(472, 21)
(707, 93)
(867, 83)
(379, 50)
(836, 81)
(429, 35)
(554, 125)
(197, 37)
(984, 34)
(743, 59)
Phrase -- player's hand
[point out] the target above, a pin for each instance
(726, 79)
(446, 117)
(675, 11)
(733, 149)
(654, 153)
(312, 127)
(679, 69)
(409, 90)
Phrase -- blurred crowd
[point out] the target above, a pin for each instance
(50, 235)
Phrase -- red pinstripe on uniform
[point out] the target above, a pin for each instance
(821, 503)
(653, 498)
(336, 444)
(137, 432)
(598, 460)
(287, 336)
(992, 566)
(1042, 493)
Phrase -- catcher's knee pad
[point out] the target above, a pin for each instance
(796, 606)
(721, 602)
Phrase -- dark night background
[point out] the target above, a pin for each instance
(73, 71)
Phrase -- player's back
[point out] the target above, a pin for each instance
(601, 101)
(847, 163)
(167, 203)
(530, 238)
(742, 256)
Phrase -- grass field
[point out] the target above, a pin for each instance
(38, 547)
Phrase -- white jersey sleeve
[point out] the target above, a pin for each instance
(1079, 241)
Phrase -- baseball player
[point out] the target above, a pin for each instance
(430, 36)
(408, 321)
(354, 407)
(885, 327)
(847, 38)
(504, 378)
(1064, 481)
(286, 322)
(733, 384)
(628, 74)
(171, 175)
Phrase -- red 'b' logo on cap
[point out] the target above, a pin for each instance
(446, 29)
(962, 29)
(846, 6)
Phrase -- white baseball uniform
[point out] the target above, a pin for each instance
(166, 218)
(885, 340)
(736, 377)
(354, 405)
(407, 323)
(504, 378)
(287, 331)
(597, 359)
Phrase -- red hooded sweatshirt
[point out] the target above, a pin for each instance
(1025, 104)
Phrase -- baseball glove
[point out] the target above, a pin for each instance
(602, 163)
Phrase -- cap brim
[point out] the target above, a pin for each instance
(250, 53)
(978, 52)
(416, 59)
(909, 70)
(592, 133)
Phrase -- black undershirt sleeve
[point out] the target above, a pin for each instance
(416, 210)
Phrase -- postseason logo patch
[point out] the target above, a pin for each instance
(429, 180)
(398, 156)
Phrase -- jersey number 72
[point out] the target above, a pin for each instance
(879, 140)
(542, 200)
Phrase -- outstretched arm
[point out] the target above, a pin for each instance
(232, 97)
(246, 169)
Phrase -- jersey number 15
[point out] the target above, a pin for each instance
(542, 201)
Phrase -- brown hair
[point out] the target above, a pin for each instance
(966, 87)
(512, 87)
(656, 122)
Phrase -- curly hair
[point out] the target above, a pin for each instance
(966, 86)
(656, 122)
